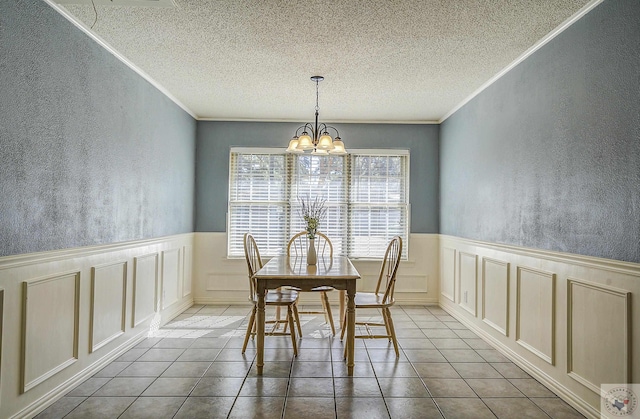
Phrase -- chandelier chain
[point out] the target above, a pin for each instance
(317, 96)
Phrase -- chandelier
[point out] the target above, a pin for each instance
(316, 138)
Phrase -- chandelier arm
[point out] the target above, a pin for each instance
(333, 128)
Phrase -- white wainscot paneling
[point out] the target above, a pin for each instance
(448, 273)
(170, 277)
(535, 308)
(495, 294)
(468, 282)
(108, 304)
(599, 328)
(1, 332)
(187, 268)
(50, 326)
(145, 283)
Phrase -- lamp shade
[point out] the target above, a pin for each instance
(338, 147)
(320, 152)
(293, 146)
(304, 142)
(325, 142)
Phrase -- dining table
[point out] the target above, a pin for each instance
(336, 271)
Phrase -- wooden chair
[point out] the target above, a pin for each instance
(382, 298)
(273, 298)
(298, 246)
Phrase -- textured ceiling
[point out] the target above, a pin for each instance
(383, 60)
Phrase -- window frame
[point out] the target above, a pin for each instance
(287, 203)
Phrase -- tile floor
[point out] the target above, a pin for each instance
(193, 368)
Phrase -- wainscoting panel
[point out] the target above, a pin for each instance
(468, 269)
(49, 336)
(222, 280)
(570, 321)
(599, 328)
(495, 294)
(187, 268)
(108, 304)
(448, 272)
(66, 314)
(1, 332)
(145, 284)
(170, 277)
(535, 312)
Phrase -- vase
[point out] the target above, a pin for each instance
(312, 257)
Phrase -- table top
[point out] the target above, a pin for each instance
(291, 267)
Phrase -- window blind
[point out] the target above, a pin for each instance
(366, 196)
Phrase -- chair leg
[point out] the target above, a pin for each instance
(278, 318)
(249, 328)
(293, 330)
(393, 333)
(344, 326)
(297, 318)
(327, 312)
(386, 322)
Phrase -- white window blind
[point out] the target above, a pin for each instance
(378, 202)
(366, 196)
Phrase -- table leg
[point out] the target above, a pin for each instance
(260, 328)
(342, 295)
(351, 326)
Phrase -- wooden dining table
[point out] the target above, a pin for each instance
(337, 272)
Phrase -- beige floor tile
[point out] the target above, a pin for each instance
(402, 387)
(435, 370)
(101, 408)
(510, 408)
(394, 369)
(493, 387)
(448, 387)
(361, 408)
(412, 408)
(509, 370)
(124, 386)
(357, 387)
(173, 387)
(476, 370)
(205, 407)
(60, 408)
(311, 387)
(531, 388)
(218, 387)
(310, 408)
(257, 408)
(153, 407)
(464, 408)
(557, 408)
(264, 387)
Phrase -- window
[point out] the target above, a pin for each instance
(366, 192)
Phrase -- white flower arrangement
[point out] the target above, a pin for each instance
(312, 212)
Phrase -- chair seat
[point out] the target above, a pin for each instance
(280, 298)
(370, 299)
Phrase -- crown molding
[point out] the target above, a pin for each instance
(546, 39)
(84, 28)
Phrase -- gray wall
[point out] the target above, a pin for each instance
(90, 153)
(549, 155)
(216, 138)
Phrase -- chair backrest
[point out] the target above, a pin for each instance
(299, 245)
(254, 263)
(389, 269)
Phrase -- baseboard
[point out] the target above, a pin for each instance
(577, 402)
(58, 392)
